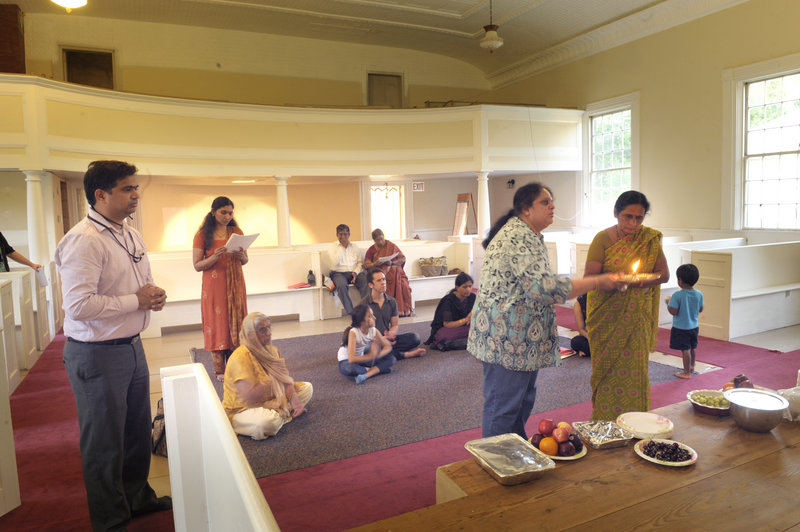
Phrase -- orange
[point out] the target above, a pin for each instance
(549, 446)
(728, 386)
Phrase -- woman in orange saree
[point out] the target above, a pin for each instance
(622, 325)
(387, 256)
(223, 298)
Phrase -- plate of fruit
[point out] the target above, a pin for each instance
(666, 452)
(559, 440)
(709, 402)
(739, 381)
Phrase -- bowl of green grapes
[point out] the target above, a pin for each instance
(709, 402)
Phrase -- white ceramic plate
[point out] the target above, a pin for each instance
(639, 448)
(646, 425)
(573, 457)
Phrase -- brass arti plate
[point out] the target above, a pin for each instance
(638, 277)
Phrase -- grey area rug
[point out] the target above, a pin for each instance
(422, 398)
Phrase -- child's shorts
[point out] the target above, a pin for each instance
(683, 338)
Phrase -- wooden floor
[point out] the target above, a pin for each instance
(173, 349)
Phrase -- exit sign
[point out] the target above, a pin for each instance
(418, 186)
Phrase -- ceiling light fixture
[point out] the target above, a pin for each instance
(69, 5)
(241, 181)
(491, 41)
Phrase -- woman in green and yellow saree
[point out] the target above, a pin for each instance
(622, 325)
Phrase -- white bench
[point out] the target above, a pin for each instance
(559, 245)
(9, 335)
(748, 289)
(458, 255)
(54, 299)
(268, 274)
(41, 311)
(213, 487)
(24, 320)
(680, 252)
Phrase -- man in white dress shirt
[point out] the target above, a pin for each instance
(346, 267)
(108, 295)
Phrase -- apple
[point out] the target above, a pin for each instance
(576, 441)
(566, 449)
(560, 434)
(546, 426)
(535, 439)
(565, 425)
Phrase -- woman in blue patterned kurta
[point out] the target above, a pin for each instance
(513, 330)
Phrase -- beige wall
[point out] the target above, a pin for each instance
(316, 210)
(172, 213)
(434, 208)
(678, 74)
(237, 66)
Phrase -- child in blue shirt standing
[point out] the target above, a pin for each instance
(685, 305)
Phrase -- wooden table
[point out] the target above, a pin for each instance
(741, 481)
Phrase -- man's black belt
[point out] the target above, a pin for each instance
(115, 341)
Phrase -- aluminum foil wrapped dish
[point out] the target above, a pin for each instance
(602, 434)
(509, 459)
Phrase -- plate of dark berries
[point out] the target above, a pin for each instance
(666, 452)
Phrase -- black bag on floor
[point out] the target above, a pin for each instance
(452, 345)
(159, 436)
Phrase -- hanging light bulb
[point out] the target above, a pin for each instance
(491, 41)
(69, 5)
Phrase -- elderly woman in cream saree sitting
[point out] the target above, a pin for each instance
(260, 396)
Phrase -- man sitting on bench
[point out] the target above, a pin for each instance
(346, 267)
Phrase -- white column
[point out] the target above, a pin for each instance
(38, 250)
(284, 234)
(484, 216)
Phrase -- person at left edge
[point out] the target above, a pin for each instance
(7, 252)
(108, 295)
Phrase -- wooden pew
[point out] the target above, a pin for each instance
(458, 254)
(270, 271)
(23, 317)
(213, 487)
(54, 299)
(680, 252)
(9, 335)
(41, 314)
(268, 274)
(748, 289)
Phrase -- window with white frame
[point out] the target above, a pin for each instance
(387, 212)
(610, 154)
(771, 153)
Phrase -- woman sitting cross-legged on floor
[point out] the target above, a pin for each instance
(260, 395)
(450, 325)
(364, 352)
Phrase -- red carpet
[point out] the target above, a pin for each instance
(710, 351)
(48, 454)
(332, 496)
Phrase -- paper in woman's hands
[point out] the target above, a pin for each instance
(387, 259)
(237, 241)
(41, 279)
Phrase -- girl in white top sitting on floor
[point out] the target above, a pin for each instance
(364, 352)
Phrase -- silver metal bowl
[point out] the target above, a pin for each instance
(756, 410)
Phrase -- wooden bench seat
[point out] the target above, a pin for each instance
(748, 289)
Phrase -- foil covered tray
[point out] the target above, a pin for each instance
(602, 434)
(509, 459)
